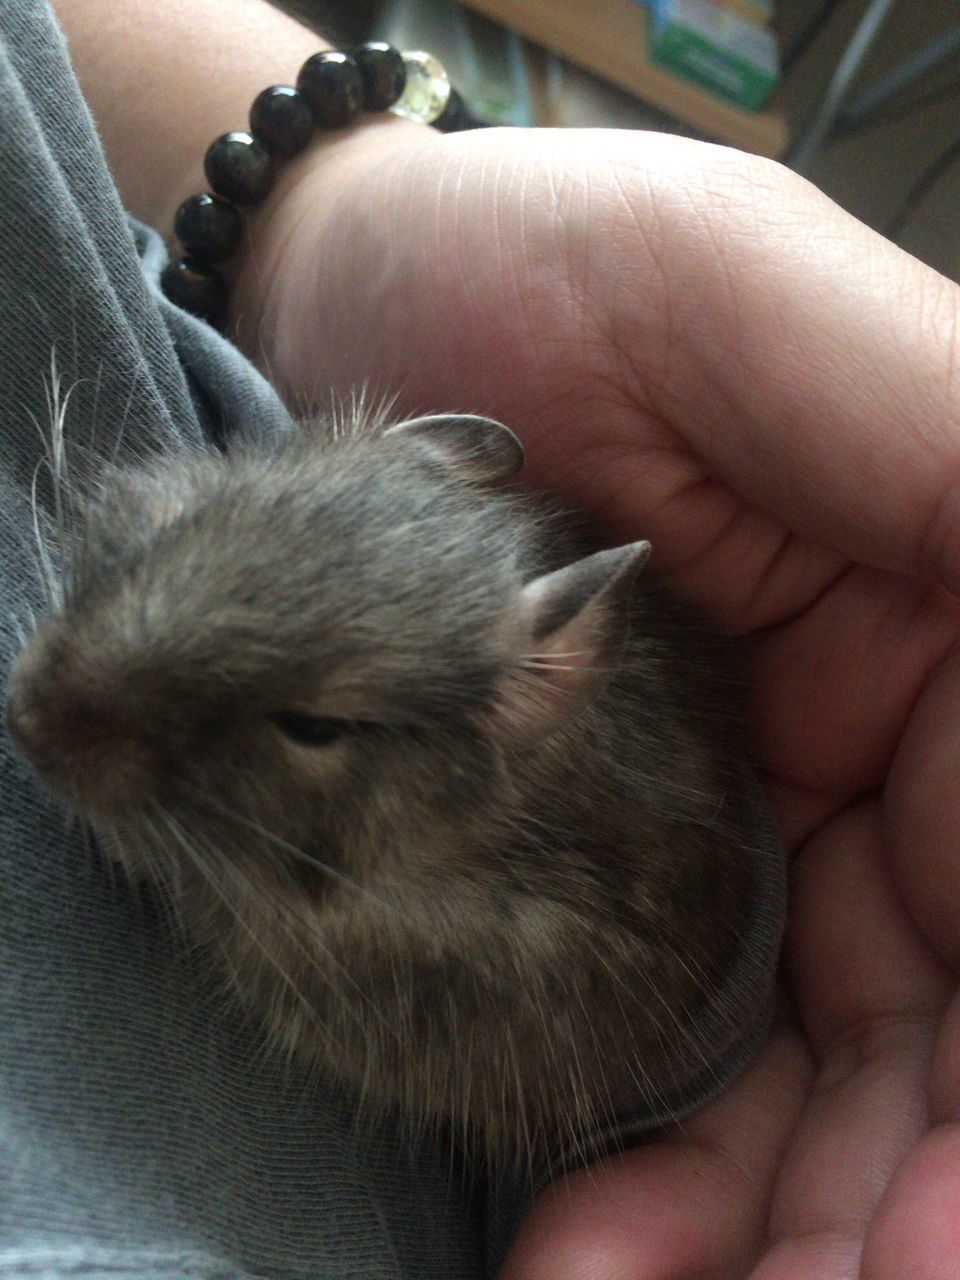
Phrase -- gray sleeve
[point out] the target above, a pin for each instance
(143, 1133)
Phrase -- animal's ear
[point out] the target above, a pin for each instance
(573, 626)
(476, 448)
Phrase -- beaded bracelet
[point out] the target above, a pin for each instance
(332, 89)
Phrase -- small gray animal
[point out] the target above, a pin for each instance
(459, 813)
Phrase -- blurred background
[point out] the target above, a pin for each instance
(861, 96)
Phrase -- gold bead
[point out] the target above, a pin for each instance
(427, 90)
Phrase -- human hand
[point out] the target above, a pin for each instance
(698, 348)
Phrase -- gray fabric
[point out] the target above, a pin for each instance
(143, 1133)
(142, 1130)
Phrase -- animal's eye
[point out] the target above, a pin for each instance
(310, 731)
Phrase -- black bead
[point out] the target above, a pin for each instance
(281, 119)
(332, 84)
(238, 168)
(384, 75)
(455, 117)
(197, 288)
(208, 227)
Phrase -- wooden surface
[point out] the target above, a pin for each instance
(609, 38)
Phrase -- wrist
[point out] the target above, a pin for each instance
(278, 281)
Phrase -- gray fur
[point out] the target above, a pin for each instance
(515, 938)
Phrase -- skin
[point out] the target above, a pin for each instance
(696, 347)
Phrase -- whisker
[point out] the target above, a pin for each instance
(122, 427)
(545, 664)
(48, 576)
(206, 873)
(301, 855)
(554, 653)
(255, 900)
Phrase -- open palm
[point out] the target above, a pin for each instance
(697, 347)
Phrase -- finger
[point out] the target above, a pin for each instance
(944, 1089)
(923, 814)
(692, 1205)
(831, 691)
(857, 959)
(870, 992)
(916, 1232)
(799, 811)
